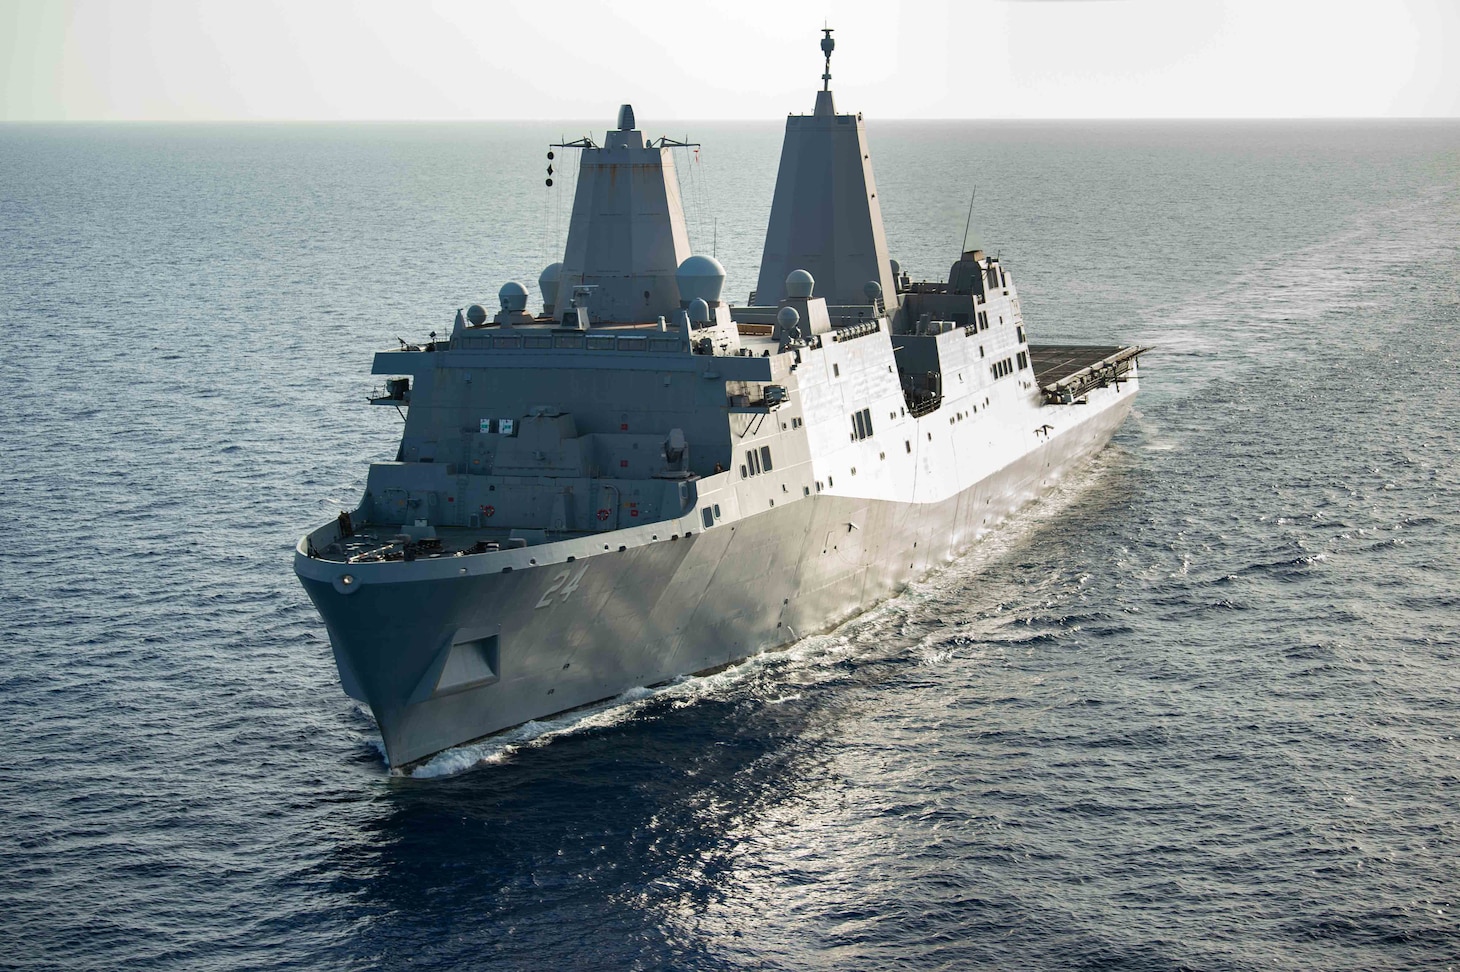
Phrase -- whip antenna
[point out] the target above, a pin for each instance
(968, 222)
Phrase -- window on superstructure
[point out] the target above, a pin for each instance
(861, 424)
(1021, 334)
(765, 458)
(752, 462)
(1023, 360)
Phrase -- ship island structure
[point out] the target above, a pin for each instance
(642, 481)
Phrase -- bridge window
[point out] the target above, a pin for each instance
(756, 462)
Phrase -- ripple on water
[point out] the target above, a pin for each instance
(1194, 710)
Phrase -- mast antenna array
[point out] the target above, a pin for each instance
(827, 46)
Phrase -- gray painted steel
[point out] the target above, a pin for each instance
(666, 608)
(627, 236)
(825, 183)
(578, 509)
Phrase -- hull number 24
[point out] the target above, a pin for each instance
(561, 587)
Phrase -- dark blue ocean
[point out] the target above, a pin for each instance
(1196, 710)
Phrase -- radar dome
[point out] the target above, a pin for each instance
(547, 283)
(788, 317)
(799, 283)
(872, 289)
(477, 314)
(700, 278)
(699, 311)
(513, 296)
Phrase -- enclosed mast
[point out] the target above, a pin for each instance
(825, 217)
(627, 236)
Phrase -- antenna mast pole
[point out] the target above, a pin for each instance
(968, 222)
(827, 46)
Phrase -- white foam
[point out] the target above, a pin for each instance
(540, 732)
(819, 651)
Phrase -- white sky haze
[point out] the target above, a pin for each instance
(504, 59)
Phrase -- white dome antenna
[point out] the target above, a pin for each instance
(700, 277)
(513, 297)
(799, 284)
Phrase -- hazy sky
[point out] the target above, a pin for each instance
(456, 59)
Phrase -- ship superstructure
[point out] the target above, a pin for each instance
(641, 481)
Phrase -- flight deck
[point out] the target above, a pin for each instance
(1066, 372)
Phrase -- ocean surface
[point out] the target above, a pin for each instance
(1196, 710)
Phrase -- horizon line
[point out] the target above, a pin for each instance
(757, 120)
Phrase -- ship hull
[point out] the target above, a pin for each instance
(445, 660)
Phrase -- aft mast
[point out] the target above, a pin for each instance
(825, 217)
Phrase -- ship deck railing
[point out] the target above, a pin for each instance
(384, 542)
(544, 340)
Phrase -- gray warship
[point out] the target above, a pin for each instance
(642, 481)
